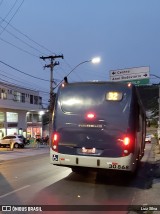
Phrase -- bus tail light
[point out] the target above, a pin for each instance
(126, 141)
(55, 140)
(127, 144)
(90, 115)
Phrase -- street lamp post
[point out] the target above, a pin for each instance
(94, 60)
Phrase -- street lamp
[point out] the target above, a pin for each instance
(94, 60)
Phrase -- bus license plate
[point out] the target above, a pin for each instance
(89, 151)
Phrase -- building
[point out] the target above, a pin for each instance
(20, 111)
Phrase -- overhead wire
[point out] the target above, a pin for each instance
(8, 23)
(7, 84)
(19, 48)
(13, 14)
(19, 82)
(4, 29)
(22, 41)
(25, 42)
(29, 38)
(10, 10)
(23, 72)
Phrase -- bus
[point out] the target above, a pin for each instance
(98, 125)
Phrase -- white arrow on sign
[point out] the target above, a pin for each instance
(129, 77)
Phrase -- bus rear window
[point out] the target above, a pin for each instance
(78, 99)
(114, 96)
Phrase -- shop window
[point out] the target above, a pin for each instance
(11, 131)
(12, 117)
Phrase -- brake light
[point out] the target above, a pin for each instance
(91, 116)
(127, 144)
(55, 140)
(126, 141)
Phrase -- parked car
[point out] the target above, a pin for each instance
(23, 139)
(149, 138)
(17, 140)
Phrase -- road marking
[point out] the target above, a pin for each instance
(9, 193)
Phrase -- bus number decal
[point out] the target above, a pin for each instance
(114, 166)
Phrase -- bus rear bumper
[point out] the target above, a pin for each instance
(126, 163)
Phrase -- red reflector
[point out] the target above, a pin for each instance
(126, 141)
(90, 116)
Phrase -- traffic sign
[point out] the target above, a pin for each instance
(139, 81)
(140, 74)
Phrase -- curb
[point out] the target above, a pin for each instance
(156, 172)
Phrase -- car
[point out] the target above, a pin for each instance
(148, 138)
(17, 141)
(23, 139)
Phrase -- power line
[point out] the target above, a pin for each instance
(8, 86)
(13, 15)
(29, 38)
(13, 87)
(24, 82)
(20, 85)
(22, 71)
(19, 48)
(21, 40)
(10, 10)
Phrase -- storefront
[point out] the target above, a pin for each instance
(12, 123)
(34, 124)
(33, 130)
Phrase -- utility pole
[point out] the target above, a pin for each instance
(51, 106)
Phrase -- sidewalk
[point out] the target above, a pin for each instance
(157, 161)
(28, 150)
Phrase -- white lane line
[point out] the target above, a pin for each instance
(9, 193)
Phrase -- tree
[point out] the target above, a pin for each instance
(149, 96)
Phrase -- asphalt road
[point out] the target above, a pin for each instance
(33, 181)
